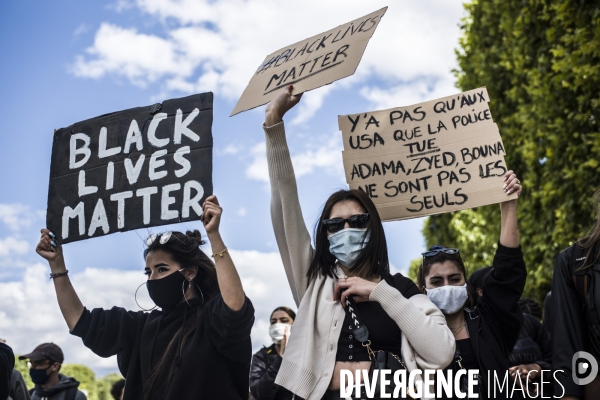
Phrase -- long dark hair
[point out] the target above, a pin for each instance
(372, 260)
(441, 257)
(184, 248)
(590, 240)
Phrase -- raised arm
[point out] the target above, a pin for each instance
(504, 286)
(68, 301)
(228, 278)
(509, 230)
(293, 239)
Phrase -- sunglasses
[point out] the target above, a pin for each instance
(164, 238)
(337, 224)
(435, 251)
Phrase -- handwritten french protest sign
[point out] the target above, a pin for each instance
(311, 63)
(137, 168)
(429, 158)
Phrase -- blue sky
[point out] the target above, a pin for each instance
(67, 60)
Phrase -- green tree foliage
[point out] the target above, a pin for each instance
(21, 366)
(540, 62)
(85, 376)
(104, 385)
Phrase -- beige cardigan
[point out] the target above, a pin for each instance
(309, 358)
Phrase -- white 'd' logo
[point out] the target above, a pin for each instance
(583, 367)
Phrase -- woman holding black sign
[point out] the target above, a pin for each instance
(198, 345)
(350, 260)
(483, 314)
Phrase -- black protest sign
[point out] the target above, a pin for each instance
(137, 168)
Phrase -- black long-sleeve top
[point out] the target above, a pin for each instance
(494, 324)
(214, 362)
(265, 366)
(570, 333)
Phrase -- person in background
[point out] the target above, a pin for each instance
(18, 389)
(533, 351)
(576, 311)
(116, 391)
(531, 307)
(198, 345)
(483, 315)
(7, 364)
(45, 362)
(350, 259)
(266, 362)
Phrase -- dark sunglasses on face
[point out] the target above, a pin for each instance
(355, 221)
(435, 250)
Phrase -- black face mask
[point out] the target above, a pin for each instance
(166, 292)
(39, 376)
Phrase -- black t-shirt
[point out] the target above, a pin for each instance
(384, 333)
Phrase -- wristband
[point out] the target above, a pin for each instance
(58, 274)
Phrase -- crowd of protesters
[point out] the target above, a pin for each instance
(353, 313)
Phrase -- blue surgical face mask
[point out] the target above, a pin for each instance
(347, 244)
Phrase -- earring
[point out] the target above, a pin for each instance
(138, 304)
(183, 291)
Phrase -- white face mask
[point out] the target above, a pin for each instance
(277, 330)
(449, 299)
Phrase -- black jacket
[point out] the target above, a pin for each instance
(570, 333)
(495, 322)
(265, 366)
(214, 363)
(7, 363)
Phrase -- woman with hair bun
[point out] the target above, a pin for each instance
(197, 345)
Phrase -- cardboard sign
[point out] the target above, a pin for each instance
(311, 63)
(137, 168)
(429, 158)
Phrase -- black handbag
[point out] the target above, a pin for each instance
(380, 359)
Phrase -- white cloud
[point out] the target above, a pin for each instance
(325, 154)
(242, 212)
(33, 315)
(139, 57)
(216, 45)
(409, 93)
(310, 104)
(12, 246)
(81, 29)
(19, 216)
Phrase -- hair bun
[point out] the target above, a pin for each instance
(195, 234)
